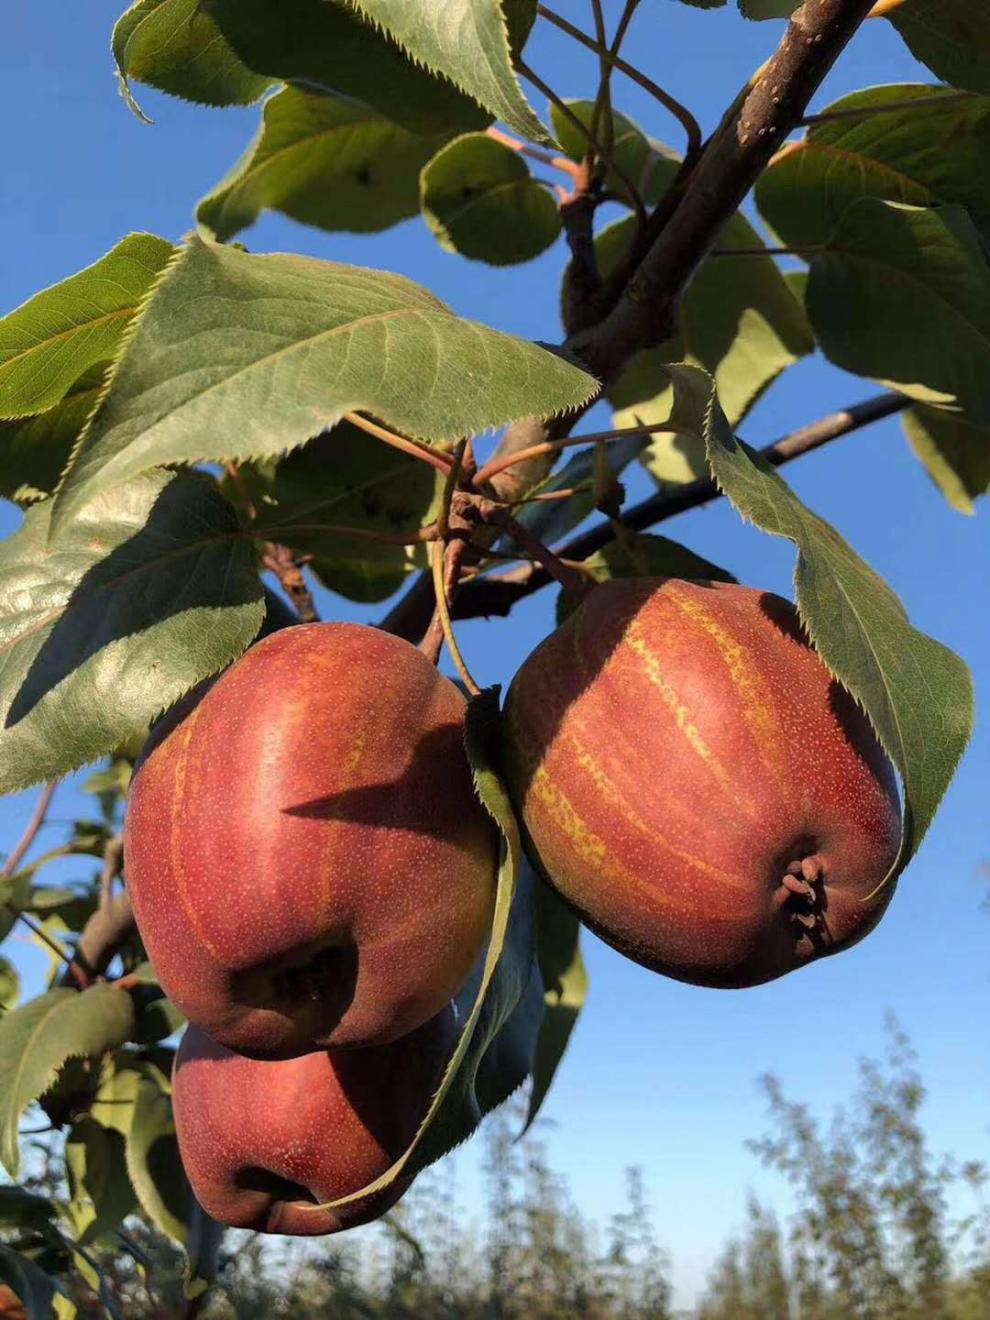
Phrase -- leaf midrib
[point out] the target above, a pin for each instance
(79, 328)
(348, 327)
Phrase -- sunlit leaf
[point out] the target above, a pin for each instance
(174, 46)
(244, 356)
(51, 340)
(37, 1038)
(467, 41)
(928, 149)
(917, 693)
(322, 160)
(480, 200)
(326, 46)
(956, 455)
(902, 294)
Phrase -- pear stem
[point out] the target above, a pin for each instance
(443, 610)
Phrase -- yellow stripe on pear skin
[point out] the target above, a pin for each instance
(178, 747)
(592, 849)
(681, 712)
(353, 758)
(606, 789)
(756, 704)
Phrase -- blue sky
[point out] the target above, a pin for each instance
(659, 1073)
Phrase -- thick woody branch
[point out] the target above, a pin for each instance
(110, 926)
(678, 236)
(731, 162)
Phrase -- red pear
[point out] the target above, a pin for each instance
(694, 781)
(308, 861)
(265, 1142)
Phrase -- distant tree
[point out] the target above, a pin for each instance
(872, 1237)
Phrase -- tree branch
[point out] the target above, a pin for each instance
(680, 233)
(487, 596)
(102, 936)
(679, 111)
(30, 833)
(729, 165)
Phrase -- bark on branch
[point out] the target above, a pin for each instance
(483, 597)
(679, 235)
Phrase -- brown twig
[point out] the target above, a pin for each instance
(282, 561)
(72, 971)
(497, 595)
(20, 850)
(113, 857)
(100, 940)
(416, 448)
(603, 100)
(644, 293)
(440, 576)
(634, 199)
(571, 579)
(687, 120)
(726, 170)
(547, 496)
(501, 463)
(562, 163)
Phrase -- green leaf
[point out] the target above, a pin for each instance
(14, 894)
(468, 42)
(739, 319)
(159, 1179)
(479, 198)
(10, 985)
(113, 1103)
(565, 987)
(71, 908)
(952, 37)
(156, 1017)
(37, 1038)
(150, 590)
(931, 152)
(35, 450)
(100, 1192)
(902, 295)
(552, 519)
(917, 693)
(345, 478)
(955, 454)
(20, 1209)
(501, 1005)
(648, 164)
(242, 356)
(153, 1160)
(644, 554)
(503, 1000)
(323, 161)
(174, 46)
(30, 1283)
(51, 340)
(324, 46)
